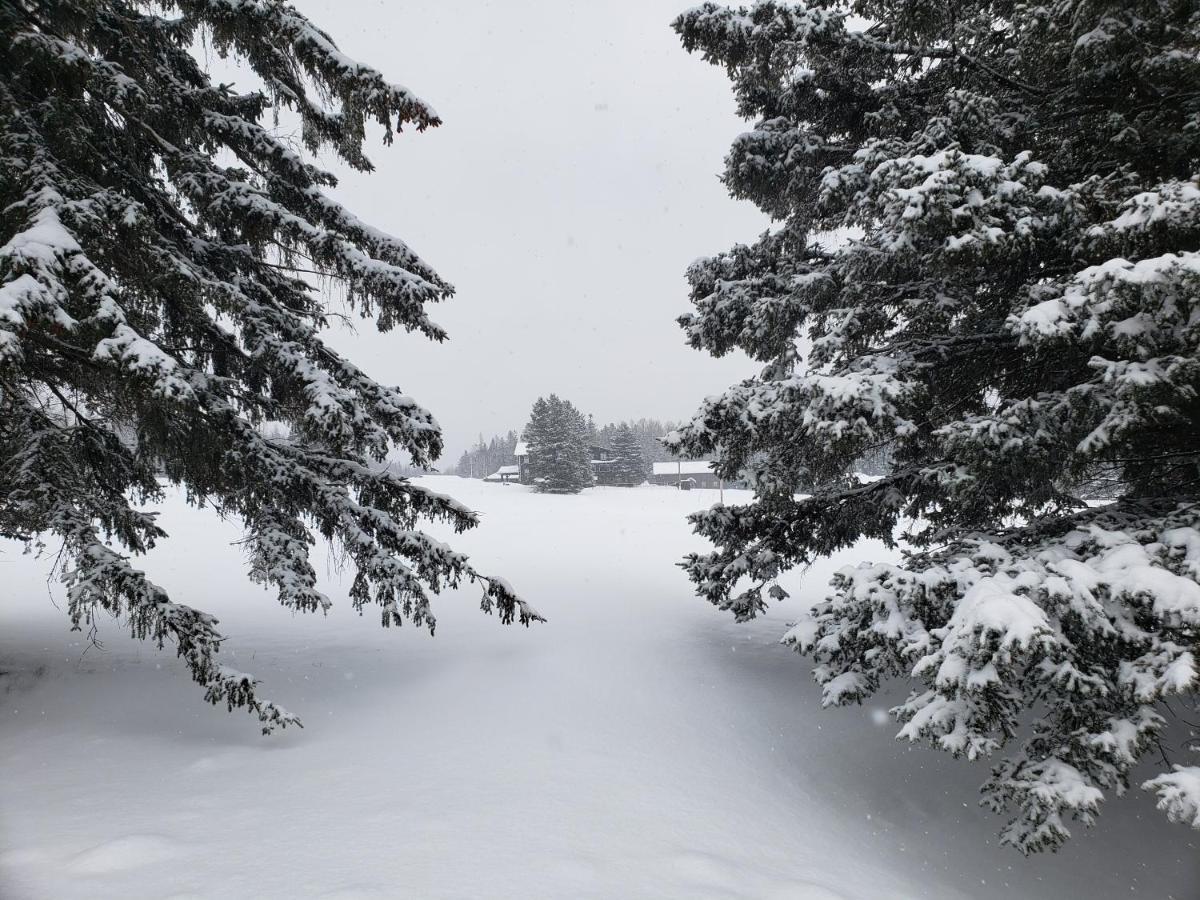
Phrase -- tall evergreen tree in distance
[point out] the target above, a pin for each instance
(559, 458)
(536, 434)
(155, 245)
(1016, 314)
(628, 466)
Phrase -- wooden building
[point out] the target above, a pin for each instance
(689, 473)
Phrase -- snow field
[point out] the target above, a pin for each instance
(639, 744)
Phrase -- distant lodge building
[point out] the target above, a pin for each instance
(689, 473)
(602, 458)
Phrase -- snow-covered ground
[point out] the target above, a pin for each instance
(639, 744)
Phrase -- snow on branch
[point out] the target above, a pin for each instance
(1178, 794)
(982, 270)
(156, 308)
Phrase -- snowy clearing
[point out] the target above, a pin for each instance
(639, 744)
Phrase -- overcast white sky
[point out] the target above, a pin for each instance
(573, 180)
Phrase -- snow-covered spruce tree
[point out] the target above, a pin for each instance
(559, 460)
(985, 262)
(628, 466)
(154, 243)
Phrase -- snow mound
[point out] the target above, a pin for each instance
(124, 853)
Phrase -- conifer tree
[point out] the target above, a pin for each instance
(463, 467)
(984, 263)
(559, 460)
(537, 433)
(155, 308)
(628, 466)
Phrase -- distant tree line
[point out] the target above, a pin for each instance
(648, 432)
(567, 452)
(487, 456)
